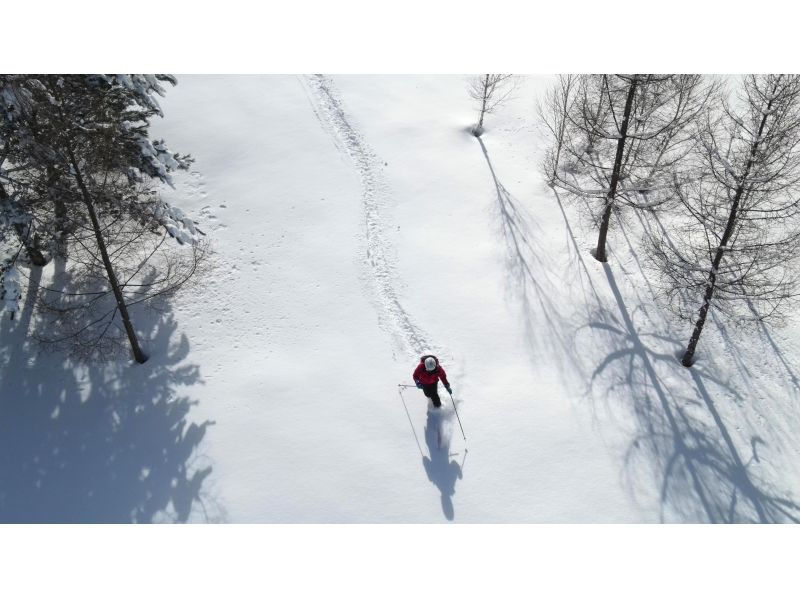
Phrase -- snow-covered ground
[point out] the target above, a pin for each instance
(357, 225)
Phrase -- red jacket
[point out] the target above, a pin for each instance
(425, 377)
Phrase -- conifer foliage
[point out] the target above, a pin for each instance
(76, 157)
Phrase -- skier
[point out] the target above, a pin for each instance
(427, 376)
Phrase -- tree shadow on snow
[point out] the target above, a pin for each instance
(442, 472)
(528, 279)
(767, 346)
(99, 443)
(682, 440)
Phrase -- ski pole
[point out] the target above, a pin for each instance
(400, 391)
(458, 418)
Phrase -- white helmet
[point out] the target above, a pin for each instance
(430, 364)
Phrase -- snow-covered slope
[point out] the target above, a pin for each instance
(356, 225)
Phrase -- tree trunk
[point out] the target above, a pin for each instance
(600, 252)
(483, 105)
(32, 249)
(59, 209)
(688, 357)
(112, 277)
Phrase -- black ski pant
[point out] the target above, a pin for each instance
(432, 392)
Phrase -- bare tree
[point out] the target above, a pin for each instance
(553, 112)
(617, 139)
(489, 92)
(739, 235)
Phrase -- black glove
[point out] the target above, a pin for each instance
(419, 385)
(447, 387)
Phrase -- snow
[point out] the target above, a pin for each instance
(365, 226)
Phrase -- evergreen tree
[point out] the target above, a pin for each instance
(79, 151)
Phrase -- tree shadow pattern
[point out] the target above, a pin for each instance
(528, 280)
(703, 476)
(100, 443)
(680, 439)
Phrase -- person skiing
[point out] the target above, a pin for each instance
(427, 376)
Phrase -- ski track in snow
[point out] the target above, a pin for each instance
(375, 195)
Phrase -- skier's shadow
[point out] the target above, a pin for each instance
(440, 469)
